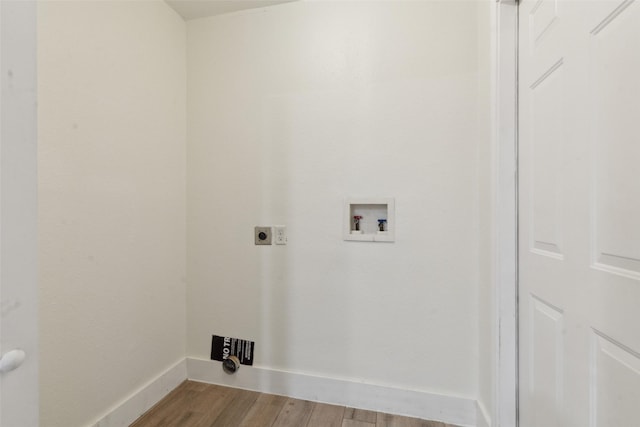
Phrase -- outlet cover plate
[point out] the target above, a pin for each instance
(279, 234)
(262, 235)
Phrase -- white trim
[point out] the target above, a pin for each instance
(460, 411)
(144, 398)
(18, 218)
(482, 416)
(1, 147)
(505, 411)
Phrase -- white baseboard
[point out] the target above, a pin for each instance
(449, 409)
(143, 399)
(482, 416)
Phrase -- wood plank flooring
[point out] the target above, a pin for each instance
(194, 404)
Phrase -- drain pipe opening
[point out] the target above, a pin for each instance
(231, 365)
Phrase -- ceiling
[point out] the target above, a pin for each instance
(193, 9)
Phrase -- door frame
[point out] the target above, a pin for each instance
(18, 210)
(505, 215)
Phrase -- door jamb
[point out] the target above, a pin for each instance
(18, 216)
(506, 215)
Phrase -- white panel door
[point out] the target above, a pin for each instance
(579, 239)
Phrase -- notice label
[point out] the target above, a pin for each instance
(223, 347)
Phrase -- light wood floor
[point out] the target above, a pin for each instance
(194, 404)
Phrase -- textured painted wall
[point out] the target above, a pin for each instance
(112, 202)
(290, 110)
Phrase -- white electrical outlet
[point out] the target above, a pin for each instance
(280, 235)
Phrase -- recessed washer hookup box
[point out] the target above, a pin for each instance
(223, 347)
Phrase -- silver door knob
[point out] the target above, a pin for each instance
(11, 360)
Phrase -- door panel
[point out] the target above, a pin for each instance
(547, 118)
(546, 363)
(616, 106)
(579, 145)
(615, 382)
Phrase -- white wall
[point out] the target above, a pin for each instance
(293, 108)
(111, 202)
